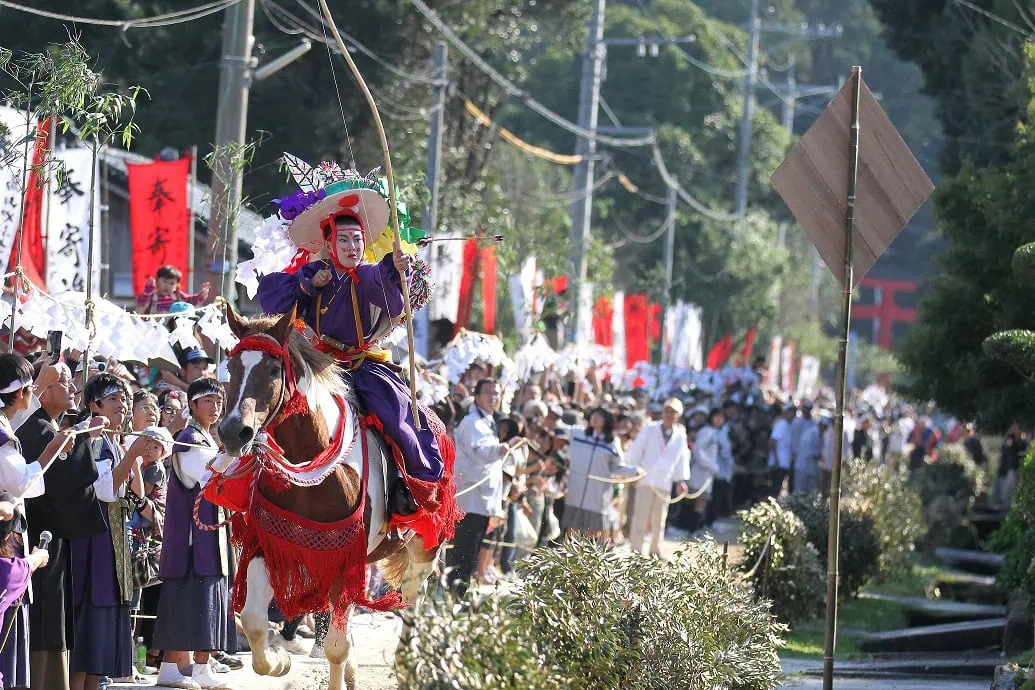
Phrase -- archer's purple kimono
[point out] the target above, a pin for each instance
(329, 312)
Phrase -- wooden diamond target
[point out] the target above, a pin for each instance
(813, 182)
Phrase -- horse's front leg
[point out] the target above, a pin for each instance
(266, 660)
(338, 649)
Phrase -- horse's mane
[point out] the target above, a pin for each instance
(323, 368)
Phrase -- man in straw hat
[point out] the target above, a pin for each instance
(352, 305)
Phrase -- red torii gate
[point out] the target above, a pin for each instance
(883, 311)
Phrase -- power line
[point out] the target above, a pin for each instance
(515, 91)
(994, 17)
(714, 71)
(160, 20)
(311, 33)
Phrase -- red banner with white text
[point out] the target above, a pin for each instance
(636, 347)
(159, 217)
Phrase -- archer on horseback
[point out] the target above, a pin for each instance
(351, 305)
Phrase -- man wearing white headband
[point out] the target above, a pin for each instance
(194, 617)
(21, 479)
(101, 572)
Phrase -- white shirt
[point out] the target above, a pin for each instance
(780, 456)
(479, 458)
(192, 464)
(16, 475)
(664, 463)
(104, 487)
(706, 456)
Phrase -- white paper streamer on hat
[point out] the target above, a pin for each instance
(272, 251)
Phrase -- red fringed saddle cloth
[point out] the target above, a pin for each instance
(305, 559)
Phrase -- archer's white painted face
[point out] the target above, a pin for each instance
(349, 245)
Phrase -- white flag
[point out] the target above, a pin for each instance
(16, 144)
(808, 377)
(521, 302)
(772, 379)
(584, 330)
(447, 267)
(695, 338)
(618, 331)
(68, 240)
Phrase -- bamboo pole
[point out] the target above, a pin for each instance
(18, 276)
(91, 239)
(191, 280)
(393, 202)
(834, 525)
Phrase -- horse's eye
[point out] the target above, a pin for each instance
(275, 372)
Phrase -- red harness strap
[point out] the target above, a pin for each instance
(292, 400)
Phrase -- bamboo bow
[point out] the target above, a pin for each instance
(393, 204)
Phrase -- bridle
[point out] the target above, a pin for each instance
(291, 401)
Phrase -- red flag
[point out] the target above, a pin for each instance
(488, 268)
(463, 312)
(654, 322)
(603, 312)
(559, 284)
(33, 251)
(744, 358)
(720, 352)
(636, 347)
(159, 217)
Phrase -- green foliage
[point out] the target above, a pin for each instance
(860, 546)
(794, 578)
(896, 510)
(947, 489)
(1016, 537)
(588, 617)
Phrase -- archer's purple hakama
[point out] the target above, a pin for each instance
(103, 632)
(329, 312)
(14, 580)
(194, 612)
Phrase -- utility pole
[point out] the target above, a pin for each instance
(422, 323)
(790, 99)
(670, 247)
(235, 77)
(744, 137)
(582, 202)
(438, 107)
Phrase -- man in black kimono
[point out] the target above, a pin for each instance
(68, 509)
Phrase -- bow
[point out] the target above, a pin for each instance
(392, 201)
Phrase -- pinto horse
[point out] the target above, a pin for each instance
(279, 368)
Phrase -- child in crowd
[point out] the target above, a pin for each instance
(163, 290)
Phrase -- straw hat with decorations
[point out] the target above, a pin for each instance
(326, 191)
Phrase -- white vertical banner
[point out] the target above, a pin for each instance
(521, 300)
(584, 330)
(695, 337)
(69, 241)
(772, 379)
(808, 377)
(447, 267)
(787, 369)
(676, 348)
(16, 143)
(618, 331)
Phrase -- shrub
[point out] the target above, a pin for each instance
(794, 580)
(896, 509)
(588, 617)
(1015, 539)
(860, 547)
(947, 489)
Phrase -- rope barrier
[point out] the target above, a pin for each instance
(620, 480)
(769, 540)
(687, 496)
(70, 434)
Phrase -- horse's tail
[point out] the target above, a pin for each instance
(394, 568)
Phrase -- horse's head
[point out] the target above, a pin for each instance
(258, 387)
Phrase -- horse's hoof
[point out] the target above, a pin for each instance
(260, 666)
(282, 665)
